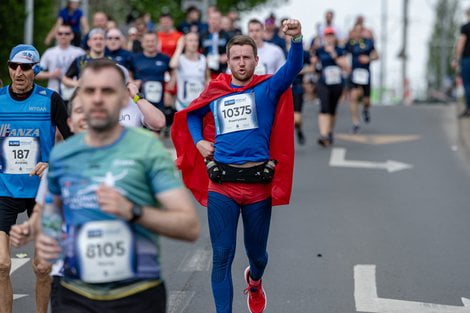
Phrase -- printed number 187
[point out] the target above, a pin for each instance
(20, 154)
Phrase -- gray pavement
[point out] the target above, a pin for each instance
(464, 133)
(411, 224)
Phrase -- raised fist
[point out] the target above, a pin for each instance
(292, 27)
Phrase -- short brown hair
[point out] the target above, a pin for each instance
(256, 21)
(98, 64)
(242, 40)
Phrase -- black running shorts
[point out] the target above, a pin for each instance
(10, 208)
(298, 102)
(152, 300)
(365, 88)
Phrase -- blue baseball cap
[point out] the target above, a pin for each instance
(24, 54)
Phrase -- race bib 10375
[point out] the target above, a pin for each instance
(236, 113)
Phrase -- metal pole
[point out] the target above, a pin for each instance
(404, 51)
(29, 22)
(383, 51)
(443, 45)
(86, 9)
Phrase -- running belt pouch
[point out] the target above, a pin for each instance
(224, 173)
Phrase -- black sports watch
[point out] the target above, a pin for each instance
(137, 97)
(137, 211)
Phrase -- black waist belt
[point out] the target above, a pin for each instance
(220, 173)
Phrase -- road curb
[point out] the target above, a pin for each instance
(464, 133)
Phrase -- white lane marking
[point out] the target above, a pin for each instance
(178, 301)
(365, 296)
(21, 255)
(18, 296)
(338, 159)
(16, 263)
(198, 261)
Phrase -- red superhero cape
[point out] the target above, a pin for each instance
(191, 163)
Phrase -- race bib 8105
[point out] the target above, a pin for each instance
(106, 251)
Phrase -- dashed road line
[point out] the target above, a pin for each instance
(197, 261)
(179, 301)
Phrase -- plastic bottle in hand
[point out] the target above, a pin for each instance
(51, 221)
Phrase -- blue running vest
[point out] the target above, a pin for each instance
(27, 135)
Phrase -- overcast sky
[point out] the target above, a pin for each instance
(421, 14)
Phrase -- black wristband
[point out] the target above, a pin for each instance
(137, 211)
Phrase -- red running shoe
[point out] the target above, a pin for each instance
(256, 299)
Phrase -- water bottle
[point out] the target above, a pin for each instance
(51, 221)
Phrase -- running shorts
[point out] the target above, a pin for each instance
(152, 300)
(10, 208)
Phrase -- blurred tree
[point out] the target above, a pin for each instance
(121, 10)
(12, 17)
(441, 44)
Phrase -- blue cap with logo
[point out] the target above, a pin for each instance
(24, 54)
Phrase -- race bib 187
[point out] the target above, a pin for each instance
(106, 251)
(19, 155)
(236, 113)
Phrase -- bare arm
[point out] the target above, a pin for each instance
(343, 63)
(21, 234)
(177, 219)
(49, 74)
(374, 55)
(51, 33)
(153, 117)
(459, 47)
(174, 62)
(69, 82)
(84, 23)
(208, 75)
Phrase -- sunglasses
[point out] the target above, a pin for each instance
(24, 66)
(63, 34)
(113, 38)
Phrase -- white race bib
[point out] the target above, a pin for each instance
(105, 251)
(153, 91)
(360, 76)
(235, 113)
(192, 90)
(213, 61)
(19, 154)
(332, 75)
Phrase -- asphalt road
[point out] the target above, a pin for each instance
(411, 224)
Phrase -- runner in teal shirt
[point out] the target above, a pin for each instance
(119, 190)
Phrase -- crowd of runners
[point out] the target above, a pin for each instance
(225, 98)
